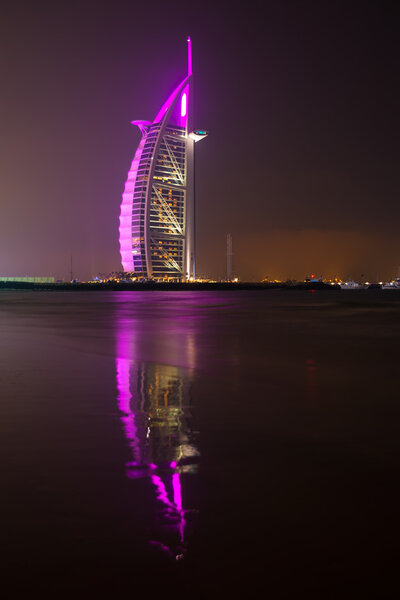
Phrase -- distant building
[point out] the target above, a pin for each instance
(29, 279)
(157, 221)
(229, 257)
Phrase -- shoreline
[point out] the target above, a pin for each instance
(166, 286)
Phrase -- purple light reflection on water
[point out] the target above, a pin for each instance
(161, 491)
(177, 488)
(150, 396)
(124, 397)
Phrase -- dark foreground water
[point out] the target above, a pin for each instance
(197, 444)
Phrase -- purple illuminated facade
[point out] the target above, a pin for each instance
(156, 233)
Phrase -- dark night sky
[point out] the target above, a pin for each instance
(301, 100)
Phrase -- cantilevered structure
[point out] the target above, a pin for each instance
(157, 221)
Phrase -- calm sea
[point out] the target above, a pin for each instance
(197, 444)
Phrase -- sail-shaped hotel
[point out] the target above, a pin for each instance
(157, 221)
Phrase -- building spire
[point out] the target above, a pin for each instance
(189, 56)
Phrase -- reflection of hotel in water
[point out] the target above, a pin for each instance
(154, 400)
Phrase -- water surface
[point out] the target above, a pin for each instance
(200, 443)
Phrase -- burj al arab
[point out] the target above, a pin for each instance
(157, 220)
